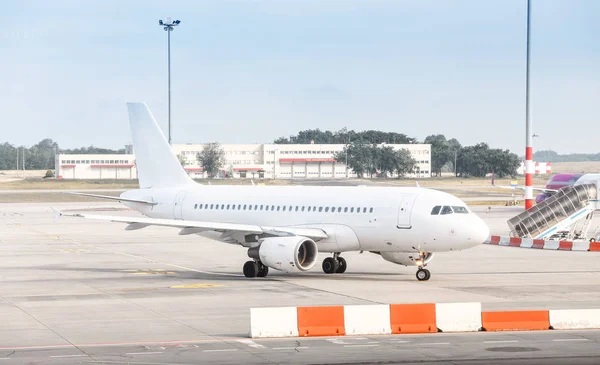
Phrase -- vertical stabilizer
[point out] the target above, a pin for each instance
(157, 165)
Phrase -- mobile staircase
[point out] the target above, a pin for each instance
(566, 215)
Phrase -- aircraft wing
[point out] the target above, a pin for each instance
(523, 188)
(232, 230)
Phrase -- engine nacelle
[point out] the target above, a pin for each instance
(287, 254)
(406, 259)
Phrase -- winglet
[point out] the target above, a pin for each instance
(55, 214)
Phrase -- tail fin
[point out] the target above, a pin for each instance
(157, 165)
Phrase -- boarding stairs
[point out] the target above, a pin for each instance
(567, 214)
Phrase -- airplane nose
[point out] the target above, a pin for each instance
(481, 232)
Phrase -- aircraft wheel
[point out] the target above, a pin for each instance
(341, 265)
(263, 270)
(330, 265)
(250, 269)
(423, 275)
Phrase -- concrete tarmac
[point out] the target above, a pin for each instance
(87, 291)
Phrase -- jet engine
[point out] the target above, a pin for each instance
(294, 253)
(407, 259)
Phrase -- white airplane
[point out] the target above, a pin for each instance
(284, 227)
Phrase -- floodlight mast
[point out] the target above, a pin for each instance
(168, 26)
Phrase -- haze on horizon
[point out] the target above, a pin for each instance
(252, 71)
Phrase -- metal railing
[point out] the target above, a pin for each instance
(558, 207)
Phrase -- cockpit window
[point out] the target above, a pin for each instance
(460, 210)
(446, 210)
(436, 210)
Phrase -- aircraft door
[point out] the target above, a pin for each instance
(404, 211)
(178, 205)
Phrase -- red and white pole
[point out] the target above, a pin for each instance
(528, 127)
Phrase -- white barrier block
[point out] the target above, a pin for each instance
(367, 319)
(551, 245)
(274, 322)
(504, 241)
(566, 319)
(458, 317)
(526, 242)
(580, 246)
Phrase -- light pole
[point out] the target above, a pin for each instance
(528, 122)
(168, 27)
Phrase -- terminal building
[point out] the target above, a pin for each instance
(257, 161)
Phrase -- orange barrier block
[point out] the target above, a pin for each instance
(594, 246)
(321, 321)
(412, 318)
(515, 320)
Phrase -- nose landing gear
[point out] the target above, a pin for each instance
(423, 274)
(335, 264)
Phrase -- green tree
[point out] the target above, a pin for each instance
(211, 158)
(479, 160)
(376, 160)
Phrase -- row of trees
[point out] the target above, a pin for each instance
(376, 160)
(552, 156)
(344, 136)
(41, 155)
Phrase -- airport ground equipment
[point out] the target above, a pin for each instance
(566, 215)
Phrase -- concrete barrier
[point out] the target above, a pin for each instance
(458, 317)
(413, 318)
(367, 319)
(515, 321)
(273, 322)
(567, 319)
(321, 321)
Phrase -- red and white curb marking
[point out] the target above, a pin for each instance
(543, 244)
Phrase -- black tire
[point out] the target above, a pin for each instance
(329, 265)
(250, 269)
(263, 271)
(423, 275)
(341, 266)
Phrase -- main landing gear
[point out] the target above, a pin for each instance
(334, 265)
(254, 269)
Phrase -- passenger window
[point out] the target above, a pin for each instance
(326, 209)
(460, 210)
(255, 206)
(244, 206)
(346, 210)
(250, 207)
(261, 207)
(339, 209)
(211, 206)
(352, 210)
(239, 207)
(195, 206)
(200, 206)
(332, 209)
(364, 210)
(278, 208)
(266, 207)
(320, 209)
(371, 210)
(446, 210)
(272, 207)
(296, 208)
(284, 208)
(290, 208)
(222, 206)
(436, 210)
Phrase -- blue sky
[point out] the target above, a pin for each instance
(252, 71)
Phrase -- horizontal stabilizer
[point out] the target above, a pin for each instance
(117, 198)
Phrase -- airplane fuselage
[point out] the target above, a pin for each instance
(354, 218)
